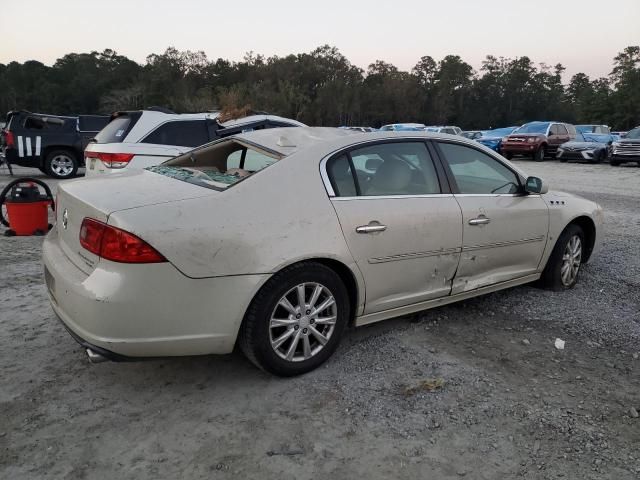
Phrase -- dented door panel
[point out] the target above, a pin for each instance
(415, 258)
(508, 246)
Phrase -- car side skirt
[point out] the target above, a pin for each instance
(437, 302)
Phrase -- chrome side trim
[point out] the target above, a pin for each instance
(411, 256)
(391, 197)
(502, 244)
(497, 195)
(426, 305)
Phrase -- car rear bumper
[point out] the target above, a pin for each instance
(152, 310)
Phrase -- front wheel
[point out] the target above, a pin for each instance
(539, 155)
(295, 322)
(508, 155)
(563, 266)
(61, 164)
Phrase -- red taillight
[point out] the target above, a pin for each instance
(115, 244)
(111, 160)
(8, 139)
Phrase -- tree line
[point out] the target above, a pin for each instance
(323, 88)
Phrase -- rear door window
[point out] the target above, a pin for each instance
(185, 133)
(562, 130)
(397, 168)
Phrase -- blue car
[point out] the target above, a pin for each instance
(493, 138)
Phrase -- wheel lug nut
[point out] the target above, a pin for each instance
(308, 312)
(296, 327)
(312, 321)
(298, 315)
(304, 330)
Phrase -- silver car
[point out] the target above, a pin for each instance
(276, 240)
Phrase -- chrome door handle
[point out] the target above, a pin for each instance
(371, 228)
(479, 221)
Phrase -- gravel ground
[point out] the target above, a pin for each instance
(474, 390)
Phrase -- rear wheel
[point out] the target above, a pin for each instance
(61, 164)
(539, 155)
(295, 322)
(563, 266)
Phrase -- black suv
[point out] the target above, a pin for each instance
(51, 143)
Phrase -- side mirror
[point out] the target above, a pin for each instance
(536, 185)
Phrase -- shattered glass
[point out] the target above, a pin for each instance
(201, 176)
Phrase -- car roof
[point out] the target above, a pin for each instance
(287, 141)
(259, 118)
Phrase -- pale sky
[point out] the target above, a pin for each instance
(583, 35)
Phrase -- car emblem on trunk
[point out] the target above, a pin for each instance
(65, 219)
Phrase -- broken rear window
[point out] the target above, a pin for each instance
(218, 165)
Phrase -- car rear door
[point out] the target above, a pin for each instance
(400, 221)
(504, 229)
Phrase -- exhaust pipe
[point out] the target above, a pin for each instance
(95, 357)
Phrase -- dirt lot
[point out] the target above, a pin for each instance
(511, 405)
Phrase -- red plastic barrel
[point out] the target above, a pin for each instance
(28, 218)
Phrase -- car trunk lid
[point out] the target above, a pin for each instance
(99, 197)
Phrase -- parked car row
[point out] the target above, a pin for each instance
(59, 145)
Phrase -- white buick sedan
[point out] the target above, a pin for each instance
(276, 240)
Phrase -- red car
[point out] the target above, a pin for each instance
(537, 139)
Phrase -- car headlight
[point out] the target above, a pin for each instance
(531, 139)
(505, 139)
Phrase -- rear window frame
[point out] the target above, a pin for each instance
(278, 156)
(134, 117)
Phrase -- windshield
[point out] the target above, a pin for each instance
(218, 165)
(536, 127)
(498, 132)
(634, 134)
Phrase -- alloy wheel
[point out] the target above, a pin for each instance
(302, 322)
(62, 165)
(571, 260)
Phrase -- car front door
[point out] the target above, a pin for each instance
(504, 229)
(403, 229)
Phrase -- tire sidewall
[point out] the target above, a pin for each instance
(554, 266)
(539, 155)
(55, 153)
(264, 304)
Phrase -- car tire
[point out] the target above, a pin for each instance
(539, 155)
(615, 163)
(562, 160)
(601, 157)
(563, 267)
(267, 338)
(61, 164)
(508, 155)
